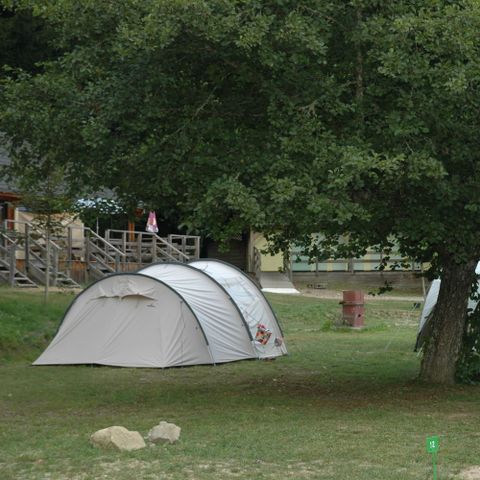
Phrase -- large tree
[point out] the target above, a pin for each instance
(356, 119)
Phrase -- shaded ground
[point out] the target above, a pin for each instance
(343, 405)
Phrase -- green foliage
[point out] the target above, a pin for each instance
(214, 80)
(354, 119)
(357, 119)
(25, 39)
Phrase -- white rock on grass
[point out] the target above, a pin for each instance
(119, 438)
(164, 432)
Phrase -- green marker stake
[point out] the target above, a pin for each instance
(432, 447)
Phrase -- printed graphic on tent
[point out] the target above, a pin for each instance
(263, 334)
(168, 314)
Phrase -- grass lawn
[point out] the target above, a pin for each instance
(343, 405)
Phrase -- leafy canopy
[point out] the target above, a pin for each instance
(355, 117)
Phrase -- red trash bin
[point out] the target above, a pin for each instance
(353, 308)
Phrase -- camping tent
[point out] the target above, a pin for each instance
(128, 320)
(223, 323)
(429, 304)
(250, 300)
(166, 315)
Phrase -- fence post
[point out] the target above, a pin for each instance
(12, 261)
(55, 267)
(154, 248)
(87, 255)
(69, 251)
(27, 248)
(139, 249)
(197, 247)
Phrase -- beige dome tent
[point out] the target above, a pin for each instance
(212, 288)
(164, 316)
(250, 300)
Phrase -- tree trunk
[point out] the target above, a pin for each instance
(448, 323)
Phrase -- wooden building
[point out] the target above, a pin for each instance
(8, 194)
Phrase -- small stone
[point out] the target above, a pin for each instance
(119, 438)
(164, 432)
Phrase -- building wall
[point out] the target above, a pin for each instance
(270, 263)
(77, 232)
(234, 253)
(368, 281)
(368, 263)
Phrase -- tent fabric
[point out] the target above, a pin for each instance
(167, 315)
(128, 320)
(429, 304)
(252, 303)
(229, 340)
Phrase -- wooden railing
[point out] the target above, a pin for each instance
(145, 247)
(188, 244)
(101, 257)
(8, 249)
(36, 254)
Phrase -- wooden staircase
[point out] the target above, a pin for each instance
(9, 272)
(31, 243)
(119, 251)
(102, 257)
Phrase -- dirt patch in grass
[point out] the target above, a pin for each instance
(336, 294)
(471, 473)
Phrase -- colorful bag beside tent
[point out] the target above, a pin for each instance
(152, 223)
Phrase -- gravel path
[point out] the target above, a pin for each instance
(334, 294)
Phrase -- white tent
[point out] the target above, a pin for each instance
(431, 301)
(128, 320)
(250, 300)
(166, 315)
(222, 322)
